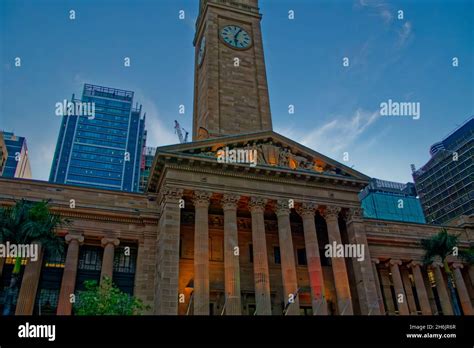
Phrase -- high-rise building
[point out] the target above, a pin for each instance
(17, 164)
(445, 183)
(388, 200)
(100, 141)
(3, 153)
(147, 162)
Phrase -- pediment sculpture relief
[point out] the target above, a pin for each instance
(273, 155)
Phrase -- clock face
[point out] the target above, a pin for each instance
(236, 37)
(202, 49)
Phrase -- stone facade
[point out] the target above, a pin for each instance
(229, 83)
(165, 232)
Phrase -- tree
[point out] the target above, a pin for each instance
(106, 299)
(27, 223)
(440, 246)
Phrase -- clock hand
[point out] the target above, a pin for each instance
(235, 36)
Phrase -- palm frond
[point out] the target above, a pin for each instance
(440, 245)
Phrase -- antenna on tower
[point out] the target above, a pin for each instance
(413, 169)
(179, 130)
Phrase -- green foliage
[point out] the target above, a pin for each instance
(28, 222)
(440, 245)
(107, 299)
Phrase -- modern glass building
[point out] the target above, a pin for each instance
(148, 156)
(3, 154)
(387, 200)
(101, 149)
(17, 164)
(445, 183)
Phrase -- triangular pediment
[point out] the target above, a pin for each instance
(264, 150)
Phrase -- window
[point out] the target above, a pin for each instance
(90, 258)
(301, 257)
(305, 310)
(251, 309)
(277, 256)
(125, 258)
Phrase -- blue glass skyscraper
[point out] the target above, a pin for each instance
(100, 149)
(17, 164)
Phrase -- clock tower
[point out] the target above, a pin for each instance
(230, 82)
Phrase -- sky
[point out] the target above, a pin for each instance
(337, 108)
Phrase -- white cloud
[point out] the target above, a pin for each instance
(337, 135)
(377, 8)
(404, 33)
(41, 158)
(160, 133)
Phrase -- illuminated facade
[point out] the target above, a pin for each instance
(17, 164)
(3, 153)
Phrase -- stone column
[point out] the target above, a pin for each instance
(375, 262)
(401, 301)
(260, 258)
(109, 245)
(167, 252)
(201, 252)
(404, 272)
(145, 270)
(231, 260)
(471, 274)
(316, 281)
(364, 277)
(341, 279)
(421, 292)
(462, 290)
(29, 285)
(288, 266)
(442, 289)
(387, 292)
(68, 283)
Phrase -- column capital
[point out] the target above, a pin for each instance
(354, 214)
(74, 237)
(457, 265)
(375, 260)
(230, 201)
(282, 207)
(105, 241)
(393, 262)
(201, 199)
(307, 209)
(437, 264)
(171, 193)
(415, 263)
(331, 212)
(257, 204)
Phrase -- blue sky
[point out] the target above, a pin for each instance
(336, 107)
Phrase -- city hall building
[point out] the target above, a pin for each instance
(240, 234)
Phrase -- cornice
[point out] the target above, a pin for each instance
(270, 174)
